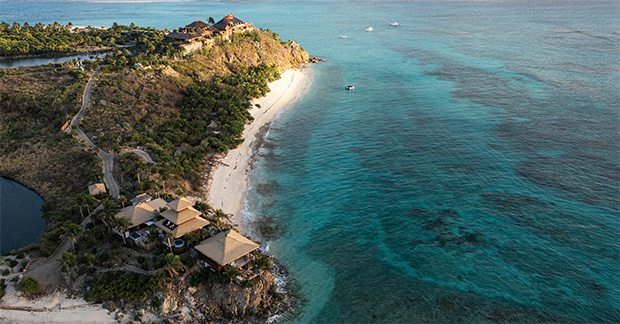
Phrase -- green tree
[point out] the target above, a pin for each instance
(67, 261)
(262, 262)
(28, 286)
(172, 265)
(72, 232)
(192, 238)
(122, 224)
(169, 236)
(229, 275)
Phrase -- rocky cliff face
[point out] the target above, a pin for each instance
(211, 302)
(237, 301)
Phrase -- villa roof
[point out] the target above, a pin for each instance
(228, 22)
(182, 216)
(180, 204)
(184, 228)
(226, 247)
(143, 197)
(198, 24)
(184, 36)
(157, 204)
(138, 214)
(96, 189)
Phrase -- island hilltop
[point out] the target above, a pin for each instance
(122, 148)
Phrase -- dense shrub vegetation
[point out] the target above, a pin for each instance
(28, 286)
(117, 285)
(2, 288)
(225, 101)
(53, 39)
(16, 39)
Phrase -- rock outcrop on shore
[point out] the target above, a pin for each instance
(211, 302)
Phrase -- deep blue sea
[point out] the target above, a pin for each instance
(472, 176)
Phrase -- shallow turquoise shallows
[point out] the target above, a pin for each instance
(472, 175)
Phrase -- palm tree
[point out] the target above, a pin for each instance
(123, 200)
(192, 238)
(173, 264)
(168, 237)
(229, 275)
(219, 215)
(89, 259)
(122, 224)
(67, 261)
(71, 231)
(85, 200)
(101, 215)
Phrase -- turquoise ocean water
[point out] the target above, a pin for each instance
(472, 176)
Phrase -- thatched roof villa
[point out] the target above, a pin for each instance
(227, 248)
(199, 30)
(181, 218)
(230, 25)
(138, 215)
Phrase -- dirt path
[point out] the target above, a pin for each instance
(107, 159)
(46, 271)
(141, 153)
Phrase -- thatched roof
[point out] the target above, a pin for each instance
(142, 212)
(180, 211)
(226, 247)
(157, 204)
(138, 214)
(184, 228)
(182, 216)
(96, 189)
(180, 204)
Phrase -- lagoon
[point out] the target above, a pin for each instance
(30, 61)
(21, 223)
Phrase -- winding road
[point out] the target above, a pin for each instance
(142, 154)
(107, 159)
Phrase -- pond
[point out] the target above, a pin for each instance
(21, 223)
(30, 61)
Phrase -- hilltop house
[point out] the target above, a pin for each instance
(193, 32)
(230, 25)
(198, 30)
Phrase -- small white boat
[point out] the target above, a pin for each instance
(370, 29)
(343, 36)
(350, 87)
(394, 24)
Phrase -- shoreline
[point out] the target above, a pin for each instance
(230, 178)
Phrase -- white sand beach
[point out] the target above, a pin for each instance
(230, 179)
(53, 308)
